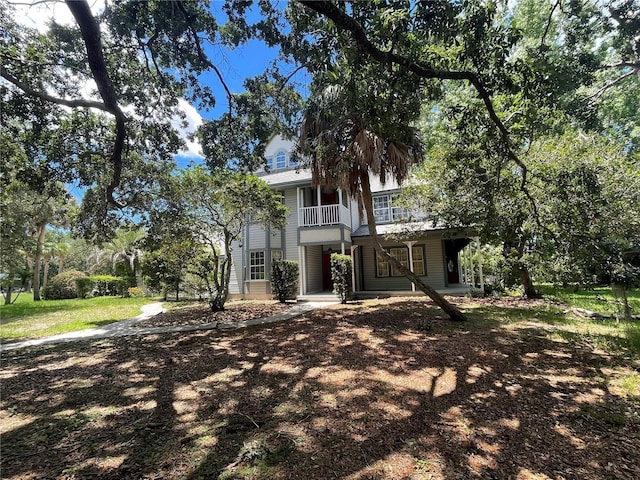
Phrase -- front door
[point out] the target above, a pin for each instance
(451, 262)
(327, 284)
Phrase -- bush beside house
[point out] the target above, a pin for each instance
(284, 279)
(341, 276)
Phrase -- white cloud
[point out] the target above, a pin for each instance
(37, 14)
(193, 121)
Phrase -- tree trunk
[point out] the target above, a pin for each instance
(45, 274)
(42, 228)
(451, 310)
(527, 284)
(7, 294)
(60, 263)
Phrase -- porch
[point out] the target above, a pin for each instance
(318, 207)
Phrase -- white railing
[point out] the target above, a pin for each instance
(323, 215)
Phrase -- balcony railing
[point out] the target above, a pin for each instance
(323, 215)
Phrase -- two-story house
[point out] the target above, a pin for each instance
(324, 221)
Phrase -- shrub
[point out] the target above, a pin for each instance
(108, 285)
(341, 276)
(284, 279)
(135, 292)
(62, 286)
(84, 286)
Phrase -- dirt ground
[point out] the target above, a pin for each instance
(373, 390)
(200, 313)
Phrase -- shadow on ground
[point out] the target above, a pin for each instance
(357, 392)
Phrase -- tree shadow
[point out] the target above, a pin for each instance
(342, 393)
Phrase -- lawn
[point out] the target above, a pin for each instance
(381, 389)
(27, 319)
(597, 299)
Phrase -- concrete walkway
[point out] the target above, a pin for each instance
(128, 327)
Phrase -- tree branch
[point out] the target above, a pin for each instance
(594, 97)
(91, 35)
(365, 46)
(75, 103)
(203, 58)
(548, 26)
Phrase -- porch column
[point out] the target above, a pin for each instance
(353, 266)
(463, 266)
(342, 249)
(303, 269)
(473, 280)
(480, 265)
(298, 204)
(410, 247)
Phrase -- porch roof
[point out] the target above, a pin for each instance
(287, 177)
(410, 228)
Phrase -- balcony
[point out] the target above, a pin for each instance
(324, 215)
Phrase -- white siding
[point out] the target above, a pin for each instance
(314, 268)
(276, 239)
(291, 230)
(236, 270)
(257, 238)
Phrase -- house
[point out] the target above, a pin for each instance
(324, 221)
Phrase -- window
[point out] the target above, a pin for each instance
(381, 208)
(281, 160)
(256, 265)
(276, 255)
(401, 254)
(269, 163)
(398, 213)
(384, 211)
(418, 260)
(292, 163)
(382, 266)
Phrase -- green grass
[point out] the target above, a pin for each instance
(616, 338)
(27, 319)
(600, 299)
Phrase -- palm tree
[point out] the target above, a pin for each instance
(345, 149)
(124, 248)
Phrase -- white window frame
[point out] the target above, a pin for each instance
(419, 264)
(401, 254)
(385, 270)
(381, 210)
(257, 270)
(281, 156)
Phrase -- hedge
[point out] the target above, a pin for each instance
(108, 285)
(284, 279)
(63, 286)
(341, 276)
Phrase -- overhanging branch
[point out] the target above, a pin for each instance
(91, 35)
(32, 92)
(343, 21)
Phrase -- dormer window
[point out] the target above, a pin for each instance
(269, 163)
(281, 160)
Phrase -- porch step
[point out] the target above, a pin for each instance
(318, 297)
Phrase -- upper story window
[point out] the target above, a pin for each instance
(381, 208)
(279, 161)
(384, 211)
